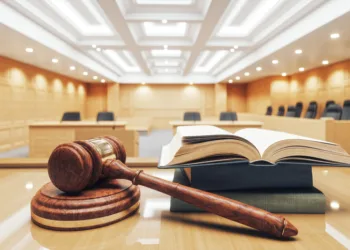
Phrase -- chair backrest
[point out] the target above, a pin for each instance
(71, 116)
(299, 109)
(268, 110)
(291, 111)
(334, 111)
(329, 102)
(311, 111)
(228, 116)
(280, 111)
(192, 116)
(346, 110)
(105, 116)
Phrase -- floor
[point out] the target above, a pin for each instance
(150, 145)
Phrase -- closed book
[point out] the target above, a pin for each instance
(297, 200)
(231, 175)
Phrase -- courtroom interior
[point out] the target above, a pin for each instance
(175, 124)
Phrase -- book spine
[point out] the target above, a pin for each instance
(245, 176)
(304, 203)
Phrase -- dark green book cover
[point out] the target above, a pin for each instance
(296, 200)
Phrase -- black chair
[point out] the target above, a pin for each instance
(334, 111)
(291, 111)
(228, 116)
(71, 116)
(311, 111)
(280, 111)
(346, 110)
(299, 109)
(192, 116)
(105, 116)
(327, 104)
(268, 110)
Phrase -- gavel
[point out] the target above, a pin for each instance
(79, 165)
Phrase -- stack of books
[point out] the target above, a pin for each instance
(266, 169)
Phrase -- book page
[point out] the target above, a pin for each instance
(200, 130)
(262, 139)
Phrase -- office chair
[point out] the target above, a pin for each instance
(280, 111)
(311, 111)
(268, 110)
(71, 116)
(228, 116)
(334, 111)
(192, 116)
(291, 111)
(329, 102)
(299, 109)
(105, 116)
(346, 110)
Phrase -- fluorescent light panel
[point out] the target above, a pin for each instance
(170, 63)
(67, 11)
(164, 2)
(251, 21)
(219, 55)
(158, 29)
(117, 59)
(166, 53)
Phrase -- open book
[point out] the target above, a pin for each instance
(204, 144)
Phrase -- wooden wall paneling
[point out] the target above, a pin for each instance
(236, 97)
(29, 94)
(96, 100)
(258, 96)
(113, 100)
(220, 98)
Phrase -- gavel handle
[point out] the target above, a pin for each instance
(222, 206)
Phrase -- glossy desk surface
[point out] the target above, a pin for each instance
(154, 227)
(78, 124)
(217, 123)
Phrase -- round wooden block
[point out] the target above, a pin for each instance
(108, 202)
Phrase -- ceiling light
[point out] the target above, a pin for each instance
(98, 49)
(238, 78)
(54, 60)
(94, 46)
(275, 61)
(165, 46)
(166, 70)
(230, 81)
(72, 68)
(94, 77)
(284, 74)
(298, 51)
(85, 73)
(236, 47)
(29, 50)
(258, 68)
(191, 83)
(246, 74)
(164, 21)
(325, 62)
(335, 205)
(301, 69)
(166, 62)
(103, 80)
(335, 36)
(232, 50)
(143, 83)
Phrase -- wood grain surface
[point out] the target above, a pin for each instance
(107, 202)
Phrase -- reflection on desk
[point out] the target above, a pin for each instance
(154, 227)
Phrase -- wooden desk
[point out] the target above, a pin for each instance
(328, 130)
(227, 125)
(45, 136)
(154, 227)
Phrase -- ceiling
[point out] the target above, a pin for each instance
(175, 41)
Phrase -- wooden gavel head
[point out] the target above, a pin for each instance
(75, 166)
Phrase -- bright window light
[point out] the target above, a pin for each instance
(166, 53)
(157, 29)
